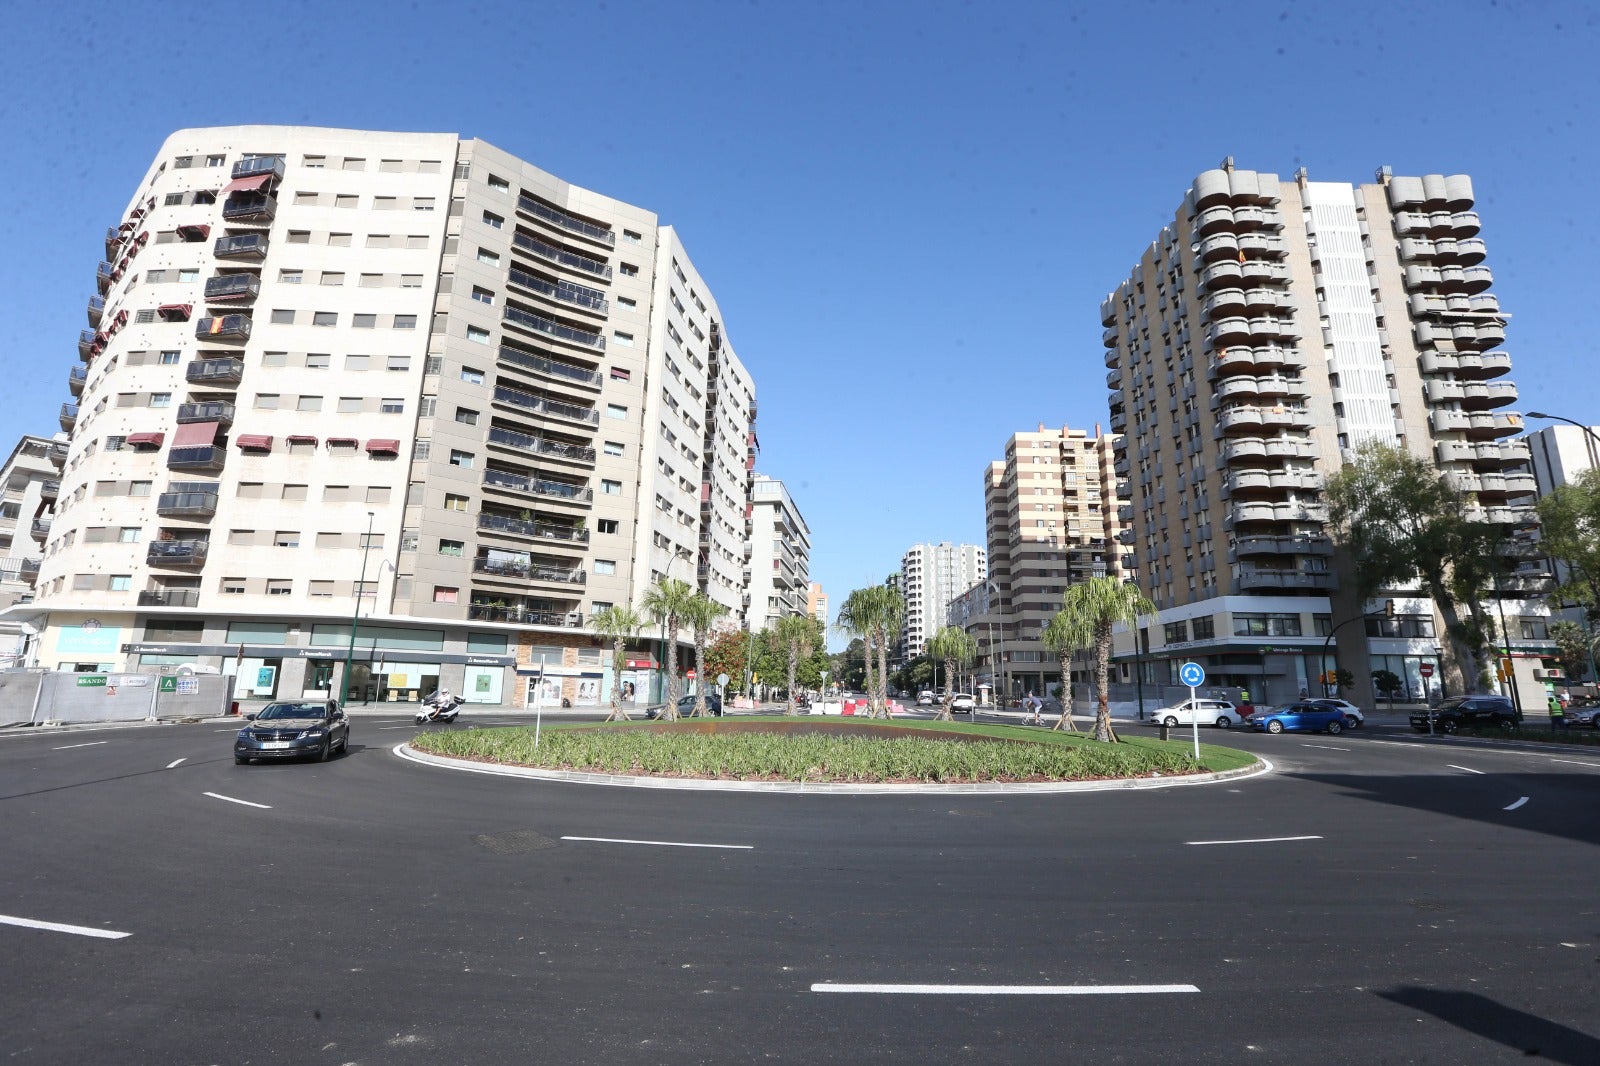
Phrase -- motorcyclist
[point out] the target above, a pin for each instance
(439, 702)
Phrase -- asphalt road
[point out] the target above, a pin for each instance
(1442, 908)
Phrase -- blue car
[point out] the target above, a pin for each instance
(1302, 718)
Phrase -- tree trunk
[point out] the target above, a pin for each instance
(794, 666)
(700, 673)
(945, 713)
(866, 665)
(671, 712)
(883, 672)
(1065, 722)
(1457, 653)
(1102, 684)
(617, 713)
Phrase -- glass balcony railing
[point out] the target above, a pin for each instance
(559, 490)
(567, 222)
(223, 328)
(565, 291)
(177, 553)
(519, 615)
(551, 367)
(534, 402)
(212, 411)
(557, 255)
(207, 457)
(551, 328)
(250, 207)
(186, 504)
(169, 598)
(242, 246)
(214, 372)
(232, 288)
(254, 167)
(539, 445)
(523, 527)
(523, 570)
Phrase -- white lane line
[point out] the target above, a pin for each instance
(57, 927)
(1004, 990)
(662, 843)
(175, 762)
(397, 727)
(1517, 804)
(1577, 762)
(230, 799)
(1257, 840)
(1330, 747)
(230, 729)
(90, 744)
(1468, 769)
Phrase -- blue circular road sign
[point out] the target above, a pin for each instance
(1192, 674)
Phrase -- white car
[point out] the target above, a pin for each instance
(924, 699)
(1219, 713)
(1353, 718)
(962, 702)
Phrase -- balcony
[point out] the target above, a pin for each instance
(1249, 577)
(86, 344)
(232, 288)
(533, 529)
(559, 218)
(552, 490)
(49, 490)
(103, 277)
(223, 328)
(253, 208)
(77, 377)
(269, 166)
(532, 401)
(214, 373)
(187, 504)
(69, 416)
(96, 309)
(40, 528)
(549, 327)
(241, 246)
(177, 553)
(566, 292)
(551, 253)
(169, 598)
(525, 442)
(517, 615)
(523, 570)
(552, 368)
(218, 411)
(1247, 546)
(208, 458)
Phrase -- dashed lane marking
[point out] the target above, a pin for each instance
(1002, 990)
(1330, 747)
(90, 744)
(1255, 840)
(1468, 769)
(662, 843)
(1514, 806)
(175, 762)
(58, 927)
(230, 799)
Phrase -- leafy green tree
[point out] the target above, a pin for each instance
(1089, 612)
(618, 625)
(1569, 529)
(667, 603)
(856, 617)
(700, 613)
(1386, 682)
(1574, 647)
(957, 648)
(797, 634)
(876, 614)
(1403, 522)
(848, 667)
(727, 653)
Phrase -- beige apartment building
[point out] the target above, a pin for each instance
(779, 573)
(1271, 327)
(408, 382)
(1050, 518)
(30, 481)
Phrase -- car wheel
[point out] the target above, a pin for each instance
(1274, 726)
(1507, 724)
(1447, 726)
(1352, 723)
(1170, 722)
(240, 760)
(1334, 727)
(1224, 722)
(327, 750)
(344, 745)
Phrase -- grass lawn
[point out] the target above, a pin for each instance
(973, 753)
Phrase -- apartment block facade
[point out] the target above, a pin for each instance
(407, 379)
(817, 603)
(931, 575)
(30, 482)
(1269, 329)
(780, 555)
(1051, 521)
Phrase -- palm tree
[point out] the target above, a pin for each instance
(875, 615)
(797, 633)
(1089, 610)
(891, 614)
(1059, 638)
(666, 602)
(617, 624)
(855, 619)
(957, 648)
(699, 615)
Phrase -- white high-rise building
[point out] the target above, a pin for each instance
(780, 554)
(931, 575)
(405, 375)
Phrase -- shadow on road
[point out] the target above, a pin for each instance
(1533, 1036)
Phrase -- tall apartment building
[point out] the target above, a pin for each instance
(1051, 522)
(30, 480)
(780, 555)
(405, 375)
(931, 575)
(1271, 327)
(1560, 453)
(817, 603)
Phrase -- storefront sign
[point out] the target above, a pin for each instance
(188, 686)
(91, 681)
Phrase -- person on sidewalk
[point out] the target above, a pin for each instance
(1558, 713)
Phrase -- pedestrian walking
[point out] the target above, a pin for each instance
(1558, 714)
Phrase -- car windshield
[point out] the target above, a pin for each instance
(293, 710)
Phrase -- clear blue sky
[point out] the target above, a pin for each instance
(909, 212)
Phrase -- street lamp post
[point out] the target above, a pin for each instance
(355, 617)
(1594, 441)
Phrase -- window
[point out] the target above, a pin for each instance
(422, 449)
(613, 447)
(161, 399)
(318, 360)
(477, 336)
(411, 281)
(274, 358)
(466, 417)
(168, 358)
(607, 525)
(622, 373)
(130, 534)
(392, 405)
(420, 240)
(444, 594)
(332, 277)
(354, 163)
(498, 184)
(627, 303)
(173, 199)
(305, 199)
(610, 487)
(451, 547)
(605, 566)
(628, 270)
(483, 295)
(345, 200)
(338, 240)
(623, 339)
(630, 236)
(286, 538)
(486, 256)
(1266, 625)
(492, 220)
(325, 318)
(281, 317)
(1534, 629)
(320, 589)
(120, 582)
(461, 459)
(1176, 632)
(426, 406)
(279, 586)
(139, 488)
(378, 493)
(454, 502)
(397, 363)
(299, 236)
(472, 375)
(1204, 628)
(189, 274)
(385, 203)
(267, 401)
(350, 405)
(233, 586)
(308, 403)
(616, 410)
(405, 321)
(357, 362)
(216, 160)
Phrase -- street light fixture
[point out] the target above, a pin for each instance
(355, 618)
(1594, 441)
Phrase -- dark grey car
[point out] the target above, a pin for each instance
(294, 729)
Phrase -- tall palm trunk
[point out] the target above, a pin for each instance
(945, 713)
(700, 672)
(883, 672)
(794, 665)
(1065, 722)
(1102, 684)
(617, 713)
(673, 687)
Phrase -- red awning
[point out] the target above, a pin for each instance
(383, 446)
(300, 438)
(175, 312)
(199, 228)
(195, 435)
(245, 184)
(257, 441)
(146, 440)
(342, 440)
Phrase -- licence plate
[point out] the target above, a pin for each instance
(275, 743)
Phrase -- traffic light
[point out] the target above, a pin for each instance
(1388, 608)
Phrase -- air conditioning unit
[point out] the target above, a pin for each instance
(1553, 673)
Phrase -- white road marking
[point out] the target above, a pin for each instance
(397, 727)
(1256, 840)
(1330, 747)
(90, 744)
(1517, 804)
(1004, 990)
(1468, 769)
(57, 927)
(662, 843)
(230, 799)
(175, 762)
(1577, 762)
(230, 729)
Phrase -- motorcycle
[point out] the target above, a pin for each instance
(437, 710)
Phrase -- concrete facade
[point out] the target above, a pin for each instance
(932, 575)
(780, 554)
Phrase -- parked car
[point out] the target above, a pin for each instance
(1300, 718)
(962, 703)
(1583, 713)
(1468, 712)
(1353, 718)
(294, 730)
(1219, 713)
(686, 705)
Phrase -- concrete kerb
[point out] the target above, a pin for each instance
(405, 751)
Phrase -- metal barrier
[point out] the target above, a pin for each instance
(37, 697)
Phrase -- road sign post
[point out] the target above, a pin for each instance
(1193, 675)
(1426, 670)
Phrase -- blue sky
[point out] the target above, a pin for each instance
(909, 212)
